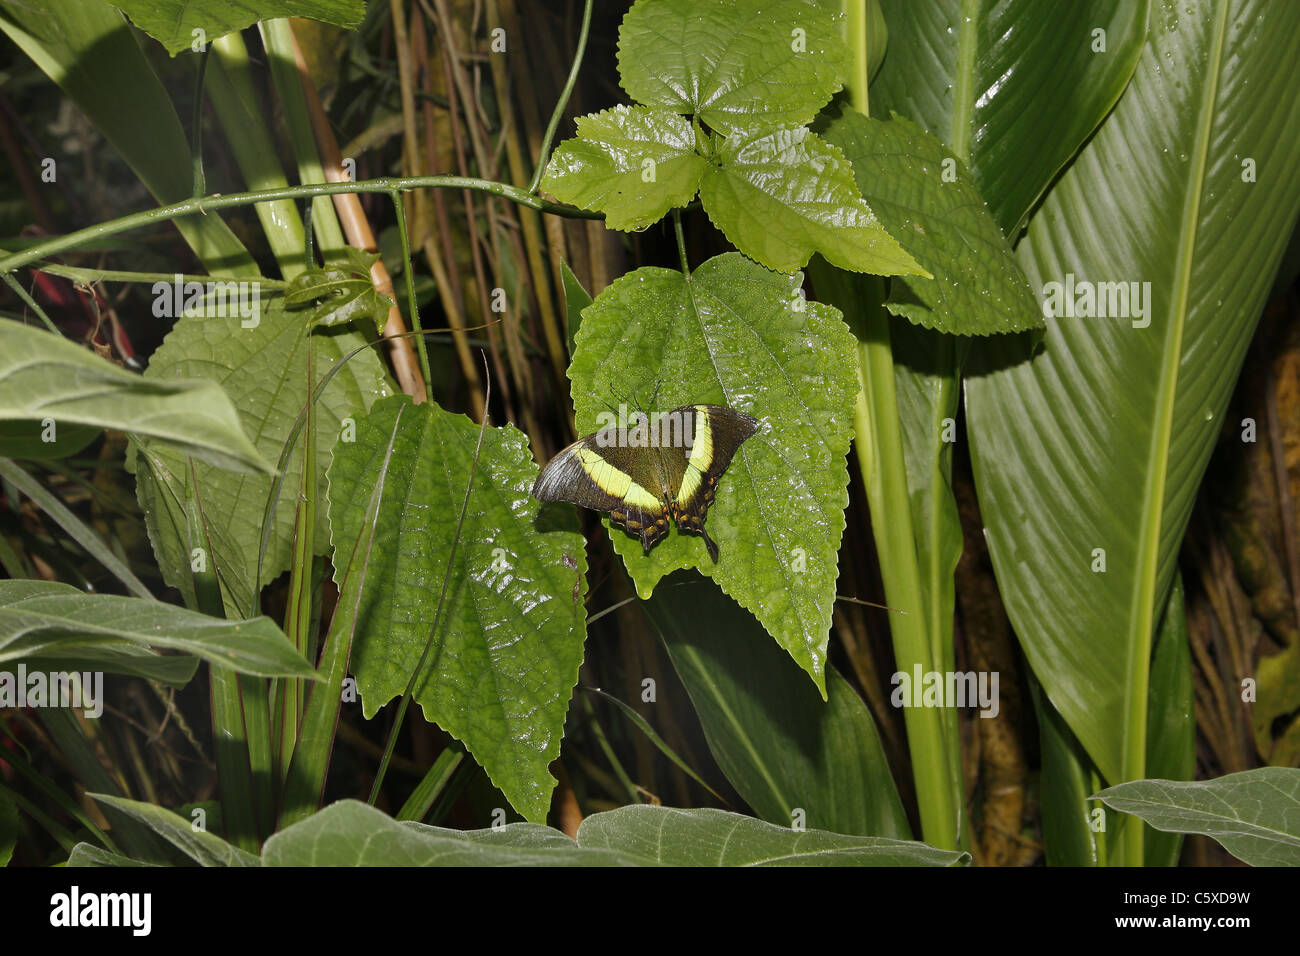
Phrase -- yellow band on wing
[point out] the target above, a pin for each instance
(615, 482)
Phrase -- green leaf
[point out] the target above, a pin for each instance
(26, 439)
(1099, 439)
(265, 371)
(340, 293)
(1064, 785)
(46, 377)
(349, 833)
(1253, 814)
(509, 641)
(735, 334)
(173, 22)
(46, 619)
(576, 298)
(707, 837)
(1171, 718)
(87, 854)
(205, 849)
(87, 48)
(924, 196)
(732, 62)
(631, 163)
(780, 195)
(9, 827)
(1013, 88)
(781, 747)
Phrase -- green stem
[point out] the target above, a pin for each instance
(681, 242)
(192, 207)
(31, 303)
(411, 306)
(544, 154)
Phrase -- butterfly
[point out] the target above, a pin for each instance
(660, 471)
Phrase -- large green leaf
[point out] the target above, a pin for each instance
(508, 642)
(1171, 718)
(736, 334)
(47, 620)
(732, 63)
(1255, 814)
(705, 837)
(265, 371)
(782, 193)
(46, 377)
(87, 48)
(779, 744)
(174, 23)
(352, 834)
(631, 163)
(925, 198)
(1097, 442)
(1012, 87)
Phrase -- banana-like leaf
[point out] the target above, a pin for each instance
(1088, 451)
(180, 24)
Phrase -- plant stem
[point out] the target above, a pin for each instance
(191, 207)
(544, 154)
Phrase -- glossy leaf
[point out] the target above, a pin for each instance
(339, 293)
(732, 63)
(779, 744)
(781, 194)
(46, 379)
(510, 638)
(631, 163)
(924, 196)
(174, 23)
(733, 333)
(265, 371)
(706, 837)
(49, 620)
(1092, 448)
(1253, 814)
(1012, 87)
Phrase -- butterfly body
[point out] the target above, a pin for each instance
(654, 476)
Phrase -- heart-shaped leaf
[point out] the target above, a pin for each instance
(509, 637)
(733, 333)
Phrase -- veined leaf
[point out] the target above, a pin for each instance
(1253, 814)
(178, 24)
(509, 640)
(732, 63)
(1088, 453)
(781, 194)
(264, 369)
(706, 837)
(46, 377)
(49, 620)
(340, 293)
(1012, 87)
(204, 848)
(923, 195)
(736, 334)
(631, 163)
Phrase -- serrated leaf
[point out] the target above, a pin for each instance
(44, 376)
(631, 163)
(1013, 87)
(707, 837)
(173, 22)
(264, 370)
(782, 194)
(1254, 814)
(350, 833)
(734, 333)
(1100, 438)
(50, 620)
(732, 62)
(924, 196)
(510, 638)
(205, 849)
(779, 744)
(341, 292)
